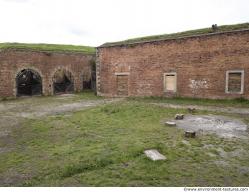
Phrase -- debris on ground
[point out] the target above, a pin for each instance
(190, 134)
(191, 110)
(179, 117)
(154, 155)
(170, 123)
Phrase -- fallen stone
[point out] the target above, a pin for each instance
(154, 155)
(190, 134)
(170, 123)
(191, 110)
(179, 116)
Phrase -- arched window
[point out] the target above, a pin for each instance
(28, 83)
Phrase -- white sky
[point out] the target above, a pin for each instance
(94, 22)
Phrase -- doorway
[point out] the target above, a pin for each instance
(122, 85)
(28, 83)
(63, 82)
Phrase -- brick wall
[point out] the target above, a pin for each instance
(46, 64)
(200, 63)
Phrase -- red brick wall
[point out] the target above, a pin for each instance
(200, 62)
(46, 64)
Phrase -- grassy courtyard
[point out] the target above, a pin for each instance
(103, 146)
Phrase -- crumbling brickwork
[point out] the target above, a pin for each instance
(46, 64)
(200, 63)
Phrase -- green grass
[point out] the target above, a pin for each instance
(87, 94)
(223, 28)
(103, 146)
(49, 47)
(239, 102)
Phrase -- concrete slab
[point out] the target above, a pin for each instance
(154, 155)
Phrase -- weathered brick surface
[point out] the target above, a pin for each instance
(200, 62)
(46, 64)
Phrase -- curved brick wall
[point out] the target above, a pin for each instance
(46, 64)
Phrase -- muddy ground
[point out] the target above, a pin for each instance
(13, 112)
(229, 153)
(222, 126)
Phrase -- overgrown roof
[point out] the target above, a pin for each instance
(49, 48)
(223, 28)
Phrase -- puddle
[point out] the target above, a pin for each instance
(223, 126)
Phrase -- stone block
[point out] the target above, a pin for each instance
(154, 155)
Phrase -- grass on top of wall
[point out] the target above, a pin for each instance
(223, 28)
(49, 47)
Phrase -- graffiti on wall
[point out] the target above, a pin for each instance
(197, 85)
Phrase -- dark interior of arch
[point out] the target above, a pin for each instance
(28, 83)
(63, 82)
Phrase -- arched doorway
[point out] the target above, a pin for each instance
(63, 82)
(28, 83)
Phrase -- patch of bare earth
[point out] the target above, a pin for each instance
(13, 113)
(226, 127)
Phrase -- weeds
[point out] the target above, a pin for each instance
(82, 166)
(103, 146)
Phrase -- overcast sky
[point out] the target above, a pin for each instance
(94, 22)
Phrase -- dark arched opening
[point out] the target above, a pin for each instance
(63, 82)
(28, 83)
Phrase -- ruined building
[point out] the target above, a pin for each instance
(27, 69)
(207, 63)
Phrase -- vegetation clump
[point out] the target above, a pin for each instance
(48, 47)
(196, 32)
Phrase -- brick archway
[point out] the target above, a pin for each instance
(28, 83)
(63, 81)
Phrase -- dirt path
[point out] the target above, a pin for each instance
(54, 109)
(232, 110)
(35, 107)
(12, 113)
